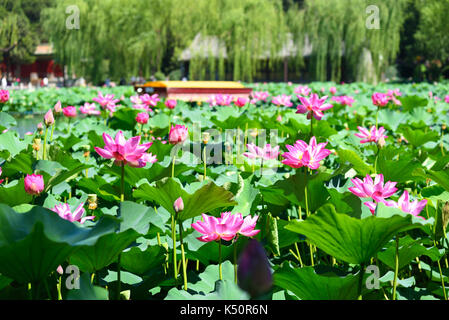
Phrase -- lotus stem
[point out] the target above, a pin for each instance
(235, 260)
(173, 167)
(205, 162)
(308, 213)
(52, 130)
(44, 154)
(173, 233)
(220, 273)
(377, 115)
(58, 287)
(359, 290)
(396, 268)
(119, 258)
(184, 265)
(311, 127)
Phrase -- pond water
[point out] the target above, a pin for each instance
(27, 123)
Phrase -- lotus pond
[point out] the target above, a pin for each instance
(316, 192)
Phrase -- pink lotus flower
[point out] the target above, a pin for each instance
(313, 106)
(1, 180)
(227, 227)
(107, 101)
(303, 155)
(150, 100)
(333, 90)
(142, 107)
(392, 94)
(40, 126)
(279, 118)
(373, 189)
(260, 95)
(178, 205)
(380, 99)
(63, 210)
(4, 96)
(69, 112)
(343, 100)
(123, 151)
(34, 184)
(57, 107)
(135, 99)
(49, 119)
(220, 100)
(171, 103)
(446, 99)
(265, 153)
(90, 109)
(146, 158)
(303, 90)
(414, 207)
(214, 229)
(142, 118)
(178, 134)
(373, 135)
(241, 102)
(248, 226)
(282, 100)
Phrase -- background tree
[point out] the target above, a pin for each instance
(18, 40)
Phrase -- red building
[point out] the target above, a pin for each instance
(43, 66)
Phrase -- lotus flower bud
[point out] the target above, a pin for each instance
(48, 118)
(37, 144)
(178, 134)
(69, 112)
(60, 270)
(58, 108)
(445, 215)
(254, 272)
(92, 199)
(171, 103)
(34, 184)
(178, 205)
(142, 117)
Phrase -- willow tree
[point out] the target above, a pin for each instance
(433, 32)
(116, 38)
(340, 36)
(17, 40)
(120, 38)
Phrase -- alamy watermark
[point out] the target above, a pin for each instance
(373, 19)
(73, 20)
(372, 282)
(73, 279)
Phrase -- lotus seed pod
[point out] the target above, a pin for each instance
(206, 137)
(92, 199)
(37, 144)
